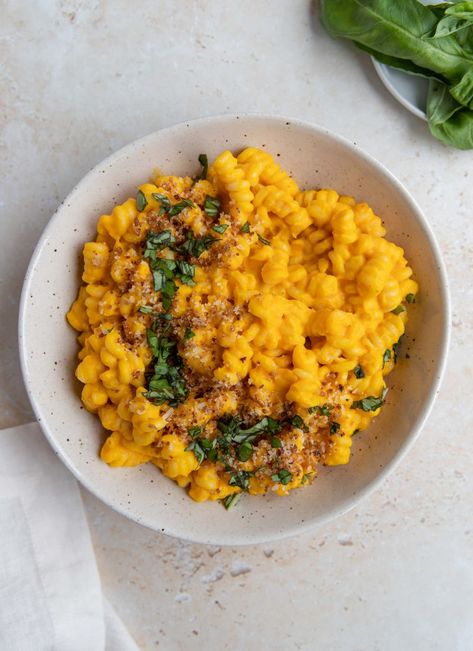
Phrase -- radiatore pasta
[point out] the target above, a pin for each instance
(235, 330)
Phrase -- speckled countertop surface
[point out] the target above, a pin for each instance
(79, 80)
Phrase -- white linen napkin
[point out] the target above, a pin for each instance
(50, 593)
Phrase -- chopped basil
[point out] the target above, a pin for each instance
(263, 240)
(410, 298)
(276, 442)
(211, 206)
(244, 451)
(157, 242)
(245, 228)
(195, 431)
(179, 207)
(371, 403)
(165, 382)
(196, 448)
(220, 228)
(148, 310)
(141, 201)
(396, 348)
(164, 201)
(386, 356)
(195, 246)
(321, 411)
(188, 334)
(359, 372)
(185, 271)
(296, 421)
(231, 501)
(204, 161)
(399, 309)
(282, 477)
(334, 427)
(306, 477)
(240, 479)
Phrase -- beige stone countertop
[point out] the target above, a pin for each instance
(79, 80)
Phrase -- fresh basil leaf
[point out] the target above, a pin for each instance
(164, 201)
(195, 430)
(334, 427)
(211, 206)
(240, 479)
(263, 240)
(141, 201)
(179, 207)
(282, 477)
(195, 246)
(399, 309)
(410, 298)
(188, 334)
(371, 403)
(386, 356)
(231, 501)
(196, 448)
(276, 442)
(244, 451)
(220, 228)
(245, 228)
(358, 372)
(204, 161)
(401, 64)
(321, 411)
(298, 423)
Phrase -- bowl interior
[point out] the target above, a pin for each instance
(48, 346)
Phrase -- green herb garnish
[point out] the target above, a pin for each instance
(195, 430)
(240, 479)
(188, 334)
(165, 382)
(386, 356)
(321, 411)
(141, 201)
(195, 246)
(244, 451)
(157, 242)
(245, 228)
(220, 228)
(204, 161)
(263, 240)
(276, 442)
(179, 207)
(371, 403)
(334, 427)
(165, 202)
(359, 372)
(399, 309)
(196, 448)
(211, 206)
(282, 477)
(410, 298)
(231, 500)
(296, 421)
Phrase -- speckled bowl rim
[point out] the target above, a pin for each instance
(351, 501)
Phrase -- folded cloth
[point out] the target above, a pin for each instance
(50, 593)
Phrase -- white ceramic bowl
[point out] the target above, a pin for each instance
(48, 346)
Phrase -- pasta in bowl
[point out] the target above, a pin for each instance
(291, 434)
(236, 330)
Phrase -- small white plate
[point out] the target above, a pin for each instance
(409, 90)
